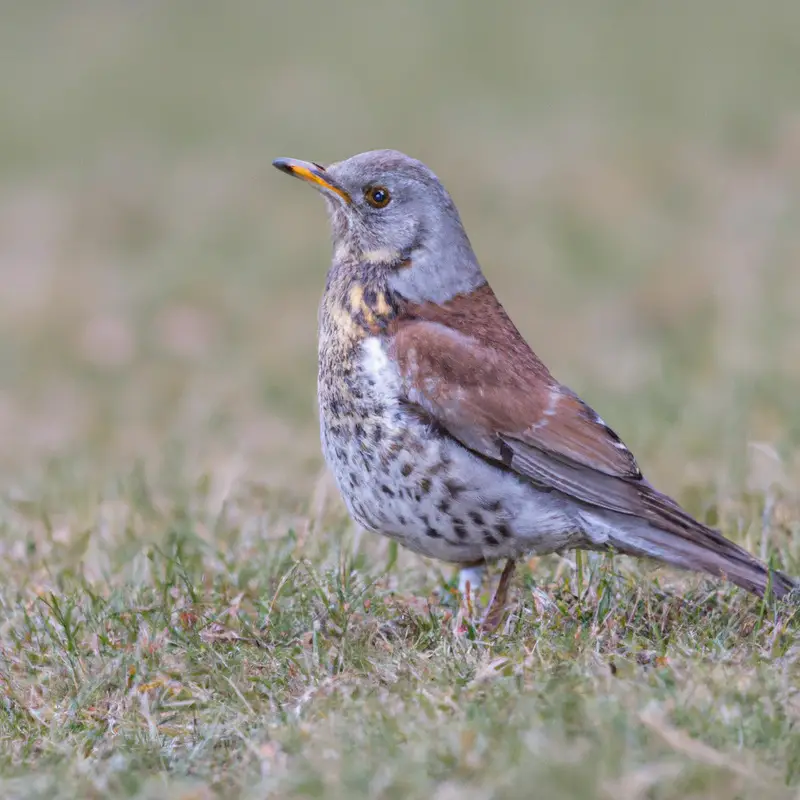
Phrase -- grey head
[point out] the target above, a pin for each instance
(389, 211)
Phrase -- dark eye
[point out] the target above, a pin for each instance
(377, 196)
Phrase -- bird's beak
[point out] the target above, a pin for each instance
(313, 174)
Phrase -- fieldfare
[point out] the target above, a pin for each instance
(442, 428)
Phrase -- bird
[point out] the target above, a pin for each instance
(443, 429)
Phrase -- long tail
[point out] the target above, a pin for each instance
(671, 535)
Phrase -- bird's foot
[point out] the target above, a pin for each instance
(496, 610)
(469, 587)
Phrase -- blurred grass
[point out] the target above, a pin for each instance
(630, 178)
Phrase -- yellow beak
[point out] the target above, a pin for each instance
(311, 173)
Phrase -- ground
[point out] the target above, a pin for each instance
(186, 609)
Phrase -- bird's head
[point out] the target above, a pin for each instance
(390, 212)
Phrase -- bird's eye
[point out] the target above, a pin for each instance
(377, 196)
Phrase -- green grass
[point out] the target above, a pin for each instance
(186, 609)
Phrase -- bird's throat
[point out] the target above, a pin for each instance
(358, 303)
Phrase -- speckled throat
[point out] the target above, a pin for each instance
(357, 305)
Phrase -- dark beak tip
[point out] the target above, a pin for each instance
(283, 164)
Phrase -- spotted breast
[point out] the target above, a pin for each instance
(399, 474)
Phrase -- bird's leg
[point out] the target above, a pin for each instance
(497, 605)
(469, 587)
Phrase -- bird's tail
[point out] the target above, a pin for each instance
(672, 536)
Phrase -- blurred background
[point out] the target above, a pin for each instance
(629, 175)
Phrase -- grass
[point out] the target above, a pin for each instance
(240, 663)
(186, 609)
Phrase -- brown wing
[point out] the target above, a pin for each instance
(514, 415)
(519, 415)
